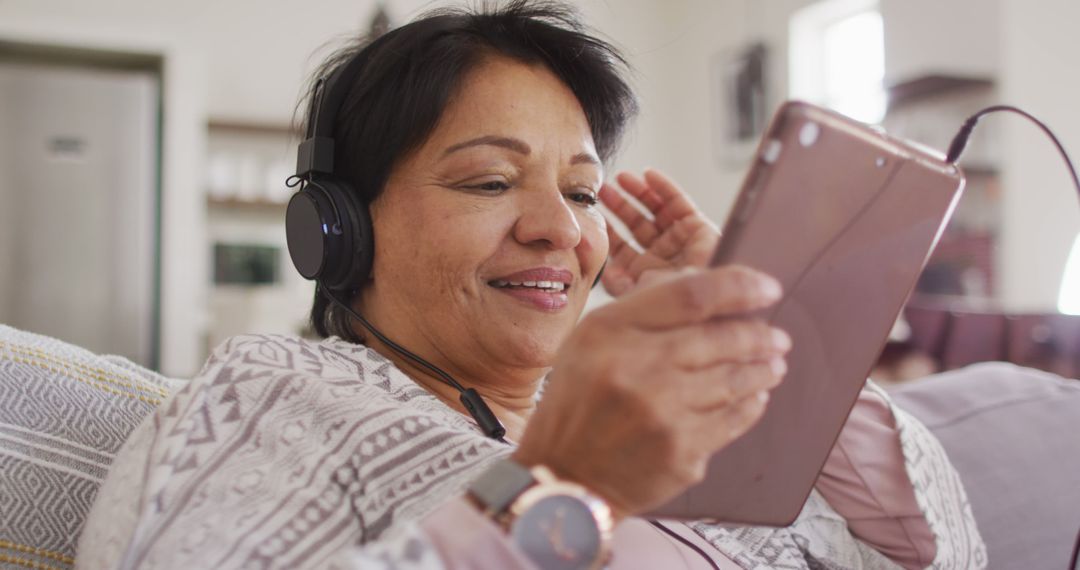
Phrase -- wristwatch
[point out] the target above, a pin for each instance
(559, 525)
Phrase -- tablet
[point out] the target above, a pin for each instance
(845, 217)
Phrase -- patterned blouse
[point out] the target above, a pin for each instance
(289, 453)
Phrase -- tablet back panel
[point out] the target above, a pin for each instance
(845, 217)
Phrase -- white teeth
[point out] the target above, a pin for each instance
(554, 286)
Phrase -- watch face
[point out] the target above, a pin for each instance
(558, 532)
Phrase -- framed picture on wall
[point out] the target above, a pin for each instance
(739, 98)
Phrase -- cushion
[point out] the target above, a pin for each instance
(1014, 436)
(64, 413)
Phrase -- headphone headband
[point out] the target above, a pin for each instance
(316, 153)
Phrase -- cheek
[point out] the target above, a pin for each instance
(460, 245)
(594, 247)
(435, 248)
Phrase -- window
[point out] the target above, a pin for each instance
(1069, 295)
(837, 57)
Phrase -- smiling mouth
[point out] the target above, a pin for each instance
(547, 286)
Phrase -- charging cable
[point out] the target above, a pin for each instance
(960, 141)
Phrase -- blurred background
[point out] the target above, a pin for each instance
(144, 145)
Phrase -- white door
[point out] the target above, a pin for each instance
(78, 201)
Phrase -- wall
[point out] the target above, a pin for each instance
(958, 37)
(708, 32)
(1039, 46)
(246, 60)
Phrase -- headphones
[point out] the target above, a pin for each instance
(327, 228)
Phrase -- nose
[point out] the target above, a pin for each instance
(546, 217)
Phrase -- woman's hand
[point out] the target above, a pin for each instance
(648, 387)
(673, 235)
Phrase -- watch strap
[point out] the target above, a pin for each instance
(503, 482)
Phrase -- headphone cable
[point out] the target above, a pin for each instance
(686, 542)
(470, 398)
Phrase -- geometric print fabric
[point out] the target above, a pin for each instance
(64, 413)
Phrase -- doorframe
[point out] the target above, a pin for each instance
(181, 281)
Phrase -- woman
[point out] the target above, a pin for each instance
(478, 140)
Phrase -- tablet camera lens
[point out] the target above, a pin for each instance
(772, 151)
(808, 134)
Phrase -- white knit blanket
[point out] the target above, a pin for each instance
(287, 453)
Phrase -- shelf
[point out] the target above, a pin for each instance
(252, 127)
(980, 171)
(931, 85)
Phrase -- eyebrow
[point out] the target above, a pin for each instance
(516, 145)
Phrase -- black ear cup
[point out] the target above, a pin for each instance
(329, 235)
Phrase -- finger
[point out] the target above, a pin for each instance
(714, 343)
(674, 240)
(616, 281)
(676, 202)
(641, 227)
(624, 266)
(616, 278)
(723, 385)
(725, 424)
(620, 252)
(697, 296)
(657, 272)
(640, 190)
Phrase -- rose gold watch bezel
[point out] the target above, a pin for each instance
(548, 485)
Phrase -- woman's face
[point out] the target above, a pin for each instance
(502, 193)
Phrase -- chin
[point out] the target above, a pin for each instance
(531, 349)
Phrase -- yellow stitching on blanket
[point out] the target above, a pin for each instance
(73, 376)
(26, 563)
(91, 371)
(38, 551)
(96, 372)
(105, 375)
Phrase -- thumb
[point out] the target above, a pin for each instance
(696, 295)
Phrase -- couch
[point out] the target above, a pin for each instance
(1013, 433)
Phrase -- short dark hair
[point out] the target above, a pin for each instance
(411, 73)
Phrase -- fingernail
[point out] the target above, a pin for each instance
(763, 397)
(778, 366)
(781, 340)
(770, 287)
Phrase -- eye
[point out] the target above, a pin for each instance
(587, 198)
(492, 186)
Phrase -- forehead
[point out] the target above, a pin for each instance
(505, 97)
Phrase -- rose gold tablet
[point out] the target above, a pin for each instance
(845, 217)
